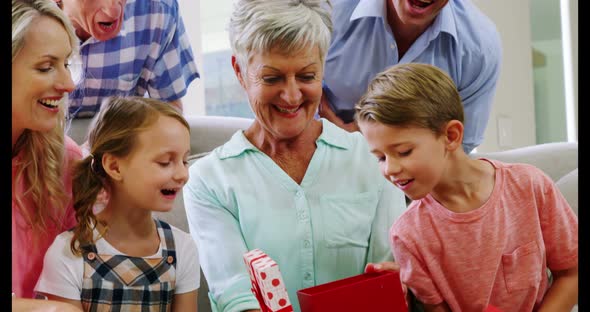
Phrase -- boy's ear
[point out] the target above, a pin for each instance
(112, 166)
(237, 70)
(454, 134)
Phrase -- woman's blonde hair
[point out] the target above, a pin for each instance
(411, 94)
(114, 130)
(41, 154)
(258, 26)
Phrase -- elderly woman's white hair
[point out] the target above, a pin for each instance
(257, 26)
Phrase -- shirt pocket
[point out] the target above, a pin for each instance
(523, 267)
(348, 218)
(124, 84)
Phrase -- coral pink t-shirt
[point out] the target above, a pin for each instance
(27, 260)
(496, 254)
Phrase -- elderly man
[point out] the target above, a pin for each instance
(129, 47)
(372, 35)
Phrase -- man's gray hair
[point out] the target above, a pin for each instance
(257, 26)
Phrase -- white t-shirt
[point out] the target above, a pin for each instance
(63, 271)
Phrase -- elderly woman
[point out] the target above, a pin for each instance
(306, 192)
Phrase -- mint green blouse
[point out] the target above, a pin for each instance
(326, 228)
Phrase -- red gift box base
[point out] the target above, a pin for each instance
(364, 292)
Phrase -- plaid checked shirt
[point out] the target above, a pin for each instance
(151, 54)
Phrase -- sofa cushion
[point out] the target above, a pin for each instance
(177, 217)
(568, 186)
(209, 132)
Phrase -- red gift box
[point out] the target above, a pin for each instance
(491, 308)
(365, 292)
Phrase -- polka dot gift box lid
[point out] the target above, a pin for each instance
(267, 282)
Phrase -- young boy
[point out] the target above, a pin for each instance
(478, 232)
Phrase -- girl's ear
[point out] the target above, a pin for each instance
(454, 135)
(111, 166)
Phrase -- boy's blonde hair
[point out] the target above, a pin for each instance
(411, 94)
(114, 130)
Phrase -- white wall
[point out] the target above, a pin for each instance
(571, 43)
(574, 33)
(514, 95)
(193, 101)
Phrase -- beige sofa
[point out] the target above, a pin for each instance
(558, 160)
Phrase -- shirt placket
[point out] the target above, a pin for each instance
(305, 238)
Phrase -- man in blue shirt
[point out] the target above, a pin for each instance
(372, 35)
(129, 47)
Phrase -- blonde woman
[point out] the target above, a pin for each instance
(42, 42)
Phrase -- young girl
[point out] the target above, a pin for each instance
(479, 232)
(123, 259)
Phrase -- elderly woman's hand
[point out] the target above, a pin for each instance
(101, 202)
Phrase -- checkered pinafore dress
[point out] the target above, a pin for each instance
(123, 283)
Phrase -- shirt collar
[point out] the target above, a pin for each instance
(334, 136)
(331, 135)
(370, 8)
(445, 22)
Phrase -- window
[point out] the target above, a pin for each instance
(223, 95)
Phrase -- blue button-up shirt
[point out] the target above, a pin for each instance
(462, 41)
(150, 54)
(326, 228)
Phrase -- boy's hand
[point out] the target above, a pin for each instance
(382, 266)
(387, 266)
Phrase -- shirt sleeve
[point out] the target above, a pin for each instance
(175, 68)
(221, 246)
(188, 275)
(559, 225)
(62, 271)
(391, 205)
(413, 272)
(481, 70)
